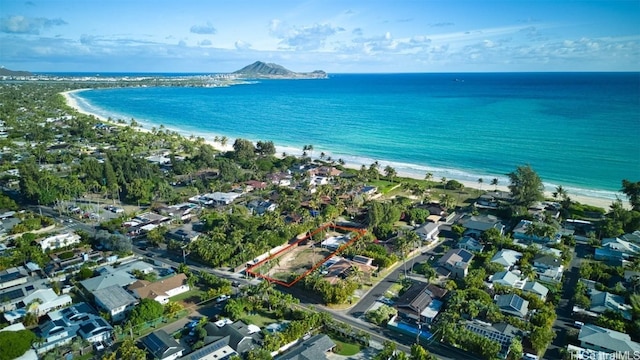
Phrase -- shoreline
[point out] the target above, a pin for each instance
(583, 199)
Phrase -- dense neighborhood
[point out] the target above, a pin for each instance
(118, 242)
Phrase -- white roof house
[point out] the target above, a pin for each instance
(506, 258)
(507, 278)
(428, 231)
(42, 301)
(59, 241)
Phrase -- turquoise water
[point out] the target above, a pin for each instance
(579, 130)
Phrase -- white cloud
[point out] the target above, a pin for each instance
(312, 37)
(23, 25)
(207, 29)
(241, 45)
(205, 42)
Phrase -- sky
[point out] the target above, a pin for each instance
(338, 36)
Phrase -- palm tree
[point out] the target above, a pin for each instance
(322, 155)
(494, 182)
(560, 192)
(224, 140)
(443, 180)
(390, 172)
(403, 244)
(480, 181)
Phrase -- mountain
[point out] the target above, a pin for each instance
(262, 70)
(7, 72)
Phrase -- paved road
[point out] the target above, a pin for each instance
(564, 318)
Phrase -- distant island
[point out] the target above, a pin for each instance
(7, 72)
(262, 70)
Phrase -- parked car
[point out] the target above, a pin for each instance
(222, 298)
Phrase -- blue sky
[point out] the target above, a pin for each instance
(336, 36)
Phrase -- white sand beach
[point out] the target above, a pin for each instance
(600, 202)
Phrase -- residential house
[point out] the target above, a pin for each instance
(535, 288)
(501, 333)
(238, 336)
(59, 241)
(507, 258)
(602, 301)
(548, 268)
(220, 198)
(12, 277)
(337, 268)
(181, 211)
(121, 276)
(255, 185)
(457, 261)
(508, 279)
(513, 304)
(476, 225)
(42, 301)
(160, 290)
(162, 346)
(368, 191)
(67, 324)
(183, 234)
(486, 201)
(115, 300)
(328, 171)
(633, 237)
(421, 302)
(280, 179)
(616, 249)
(600, 339)
(313, 348)
(259, 207)
(521, 232)
(470, 244)
(428, 231)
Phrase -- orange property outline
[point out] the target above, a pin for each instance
(360, 233)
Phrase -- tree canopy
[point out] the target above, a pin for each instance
(15, 343)
(526, 186)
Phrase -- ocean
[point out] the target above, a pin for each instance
(578, 130)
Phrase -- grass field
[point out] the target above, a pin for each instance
(190, 297)
(260, 319)
(345, 348)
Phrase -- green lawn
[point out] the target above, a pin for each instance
(192, 296)
(260, 319)
(346, 349)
